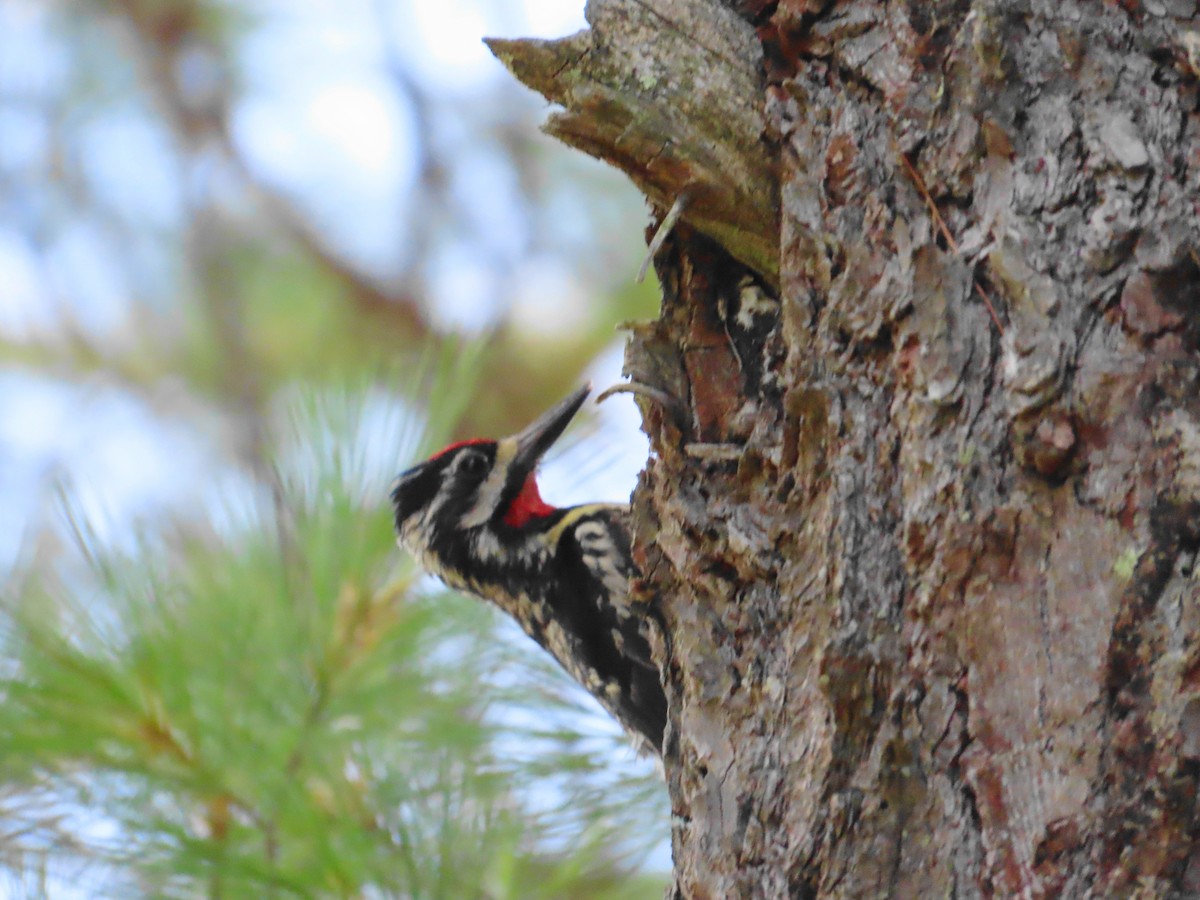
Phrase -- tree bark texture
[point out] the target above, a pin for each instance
(923, 509)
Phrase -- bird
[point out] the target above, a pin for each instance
(473, 515)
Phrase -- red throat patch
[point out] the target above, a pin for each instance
(528, 504)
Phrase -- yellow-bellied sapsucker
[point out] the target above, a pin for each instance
(472, 515)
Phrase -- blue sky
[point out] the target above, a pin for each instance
(328, 132)
(320, 121)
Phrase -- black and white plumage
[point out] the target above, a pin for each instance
(472, 515)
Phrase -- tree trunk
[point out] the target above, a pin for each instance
(924, 401)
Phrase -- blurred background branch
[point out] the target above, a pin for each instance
(258, 256)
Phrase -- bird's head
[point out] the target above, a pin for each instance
(477, 486)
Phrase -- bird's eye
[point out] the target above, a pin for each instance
(474, 464)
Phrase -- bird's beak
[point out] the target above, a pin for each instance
(535, 439)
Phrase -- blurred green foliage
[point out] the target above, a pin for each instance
(251, 693)
(281, 708)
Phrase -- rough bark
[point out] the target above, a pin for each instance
(925, 572)
(668, 93)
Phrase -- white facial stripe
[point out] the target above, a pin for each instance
(490, 490)
(429, 514)
(402, 479)
(487, 546)
(574, 514)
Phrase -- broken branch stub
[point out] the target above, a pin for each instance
(669, 92)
